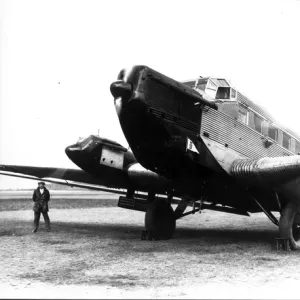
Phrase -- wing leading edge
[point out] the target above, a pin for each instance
(70, 177)
(270, 171)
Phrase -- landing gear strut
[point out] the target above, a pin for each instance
(289, 224)
(160, 220)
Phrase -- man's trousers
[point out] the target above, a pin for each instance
(36, 221)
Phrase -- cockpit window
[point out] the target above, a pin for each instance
(201, 84)
(190, 83)
(220, 82)
(217, 88)
(223, 93)
(220, 89)
(211, 85)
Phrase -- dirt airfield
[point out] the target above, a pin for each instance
(94, 251)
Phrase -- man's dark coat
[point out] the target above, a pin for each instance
(41, 200)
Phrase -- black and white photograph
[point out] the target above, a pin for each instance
(149, 149)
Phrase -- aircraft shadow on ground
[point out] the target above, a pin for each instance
(131, 232)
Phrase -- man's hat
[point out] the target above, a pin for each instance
(42, 182)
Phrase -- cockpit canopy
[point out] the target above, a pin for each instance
(217, 88)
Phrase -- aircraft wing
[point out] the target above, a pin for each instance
(70, 177)
(268, 171)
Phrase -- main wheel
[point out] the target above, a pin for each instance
(289, 224)
(160, 221)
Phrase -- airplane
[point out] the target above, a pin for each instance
(213, 144)
(198, 143)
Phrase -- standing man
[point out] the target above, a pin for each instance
(41, 197)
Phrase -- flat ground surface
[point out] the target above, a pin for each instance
(94, 251)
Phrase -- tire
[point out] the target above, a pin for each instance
(289, 224)
(160, 221)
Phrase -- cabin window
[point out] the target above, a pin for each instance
(286, 141)
(243, 115)
(273, 133)
(258, 123)
(297, 148)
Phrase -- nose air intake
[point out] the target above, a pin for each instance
(120, 89)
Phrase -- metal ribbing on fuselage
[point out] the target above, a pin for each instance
(238, 136)
(191, 126)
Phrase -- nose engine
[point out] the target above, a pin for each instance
(158, 116)
(121, 89)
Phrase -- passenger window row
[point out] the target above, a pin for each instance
(219, 89)
(264, 127)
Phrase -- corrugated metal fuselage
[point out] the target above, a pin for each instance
(160, 117)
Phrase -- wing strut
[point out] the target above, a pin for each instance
(268, 213)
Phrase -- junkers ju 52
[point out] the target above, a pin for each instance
(198, 144)
(213, 144)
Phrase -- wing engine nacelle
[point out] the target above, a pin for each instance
(113, 164)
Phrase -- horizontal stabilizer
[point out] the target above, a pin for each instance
(272, 171)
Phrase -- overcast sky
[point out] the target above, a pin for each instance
(58, 59)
